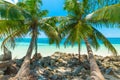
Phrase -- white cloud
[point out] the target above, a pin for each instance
(12, 1)
(15, 1)
(89, 16)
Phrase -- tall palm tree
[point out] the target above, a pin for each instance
(76, 29)
(23, 18)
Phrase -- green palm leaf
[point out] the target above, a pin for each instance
(107, 14)
(107, 44)
(27, 18)
(7, 10)
(12, 35)
(48, 25)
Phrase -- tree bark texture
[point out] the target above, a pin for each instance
(95, 71)
(25, 68)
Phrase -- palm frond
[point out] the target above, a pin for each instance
(106, 14)
(107, 44)
(85, 5)
(74, 8)
(77, 32)
(8, 9)
(93, 41)
(66, 24)
(42, 13)
(7, 26)
(33, 6)
(48, 25)
(49, 30)
(52, 41)
(14, 34)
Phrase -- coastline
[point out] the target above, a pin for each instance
(48, 50)
(45, 49)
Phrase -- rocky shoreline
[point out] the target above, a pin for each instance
(62, 66)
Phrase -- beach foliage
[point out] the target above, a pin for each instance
(26, 18)
(107, 14)
(19, 20)
(76, 28)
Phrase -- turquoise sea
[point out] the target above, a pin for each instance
(46, 49)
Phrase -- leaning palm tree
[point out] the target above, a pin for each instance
(76, 29)
(23, 18)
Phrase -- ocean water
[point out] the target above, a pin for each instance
(46, 49)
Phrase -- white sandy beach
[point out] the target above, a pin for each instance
(47, 50)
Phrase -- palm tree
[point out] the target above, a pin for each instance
(76, 29)
(23, 18)
(108, 14)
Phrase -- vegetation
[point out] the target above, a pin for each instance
(108, 14)
(77, 29)
(27, 19)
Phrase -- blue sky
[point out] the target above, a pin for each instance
(55, 8)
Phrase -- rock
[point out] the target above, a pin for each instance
(68, 73)
(39, 71)
(36, 56)
(106, 59)
(114, 58)
(4, 77)
(7, 54)
(88, 78)
(18, 62)
(47, 72)
(46, 61)
(116, 64)
(116, 75)
(5, 64)
(110, 77)
(99, 57)
(56, 55)
(85, 64)
(73, 62)
(1, 72)
(63, 66)
(12, 69)
(1, 57)
(108, 71)
(77, 70)
(41, 78)
(83, 58)
(54, 77)
(52, 62)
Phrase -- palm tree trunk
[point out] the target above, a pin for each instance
(36, 47)
(95, 71)
(25, 68)
(79, 50)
